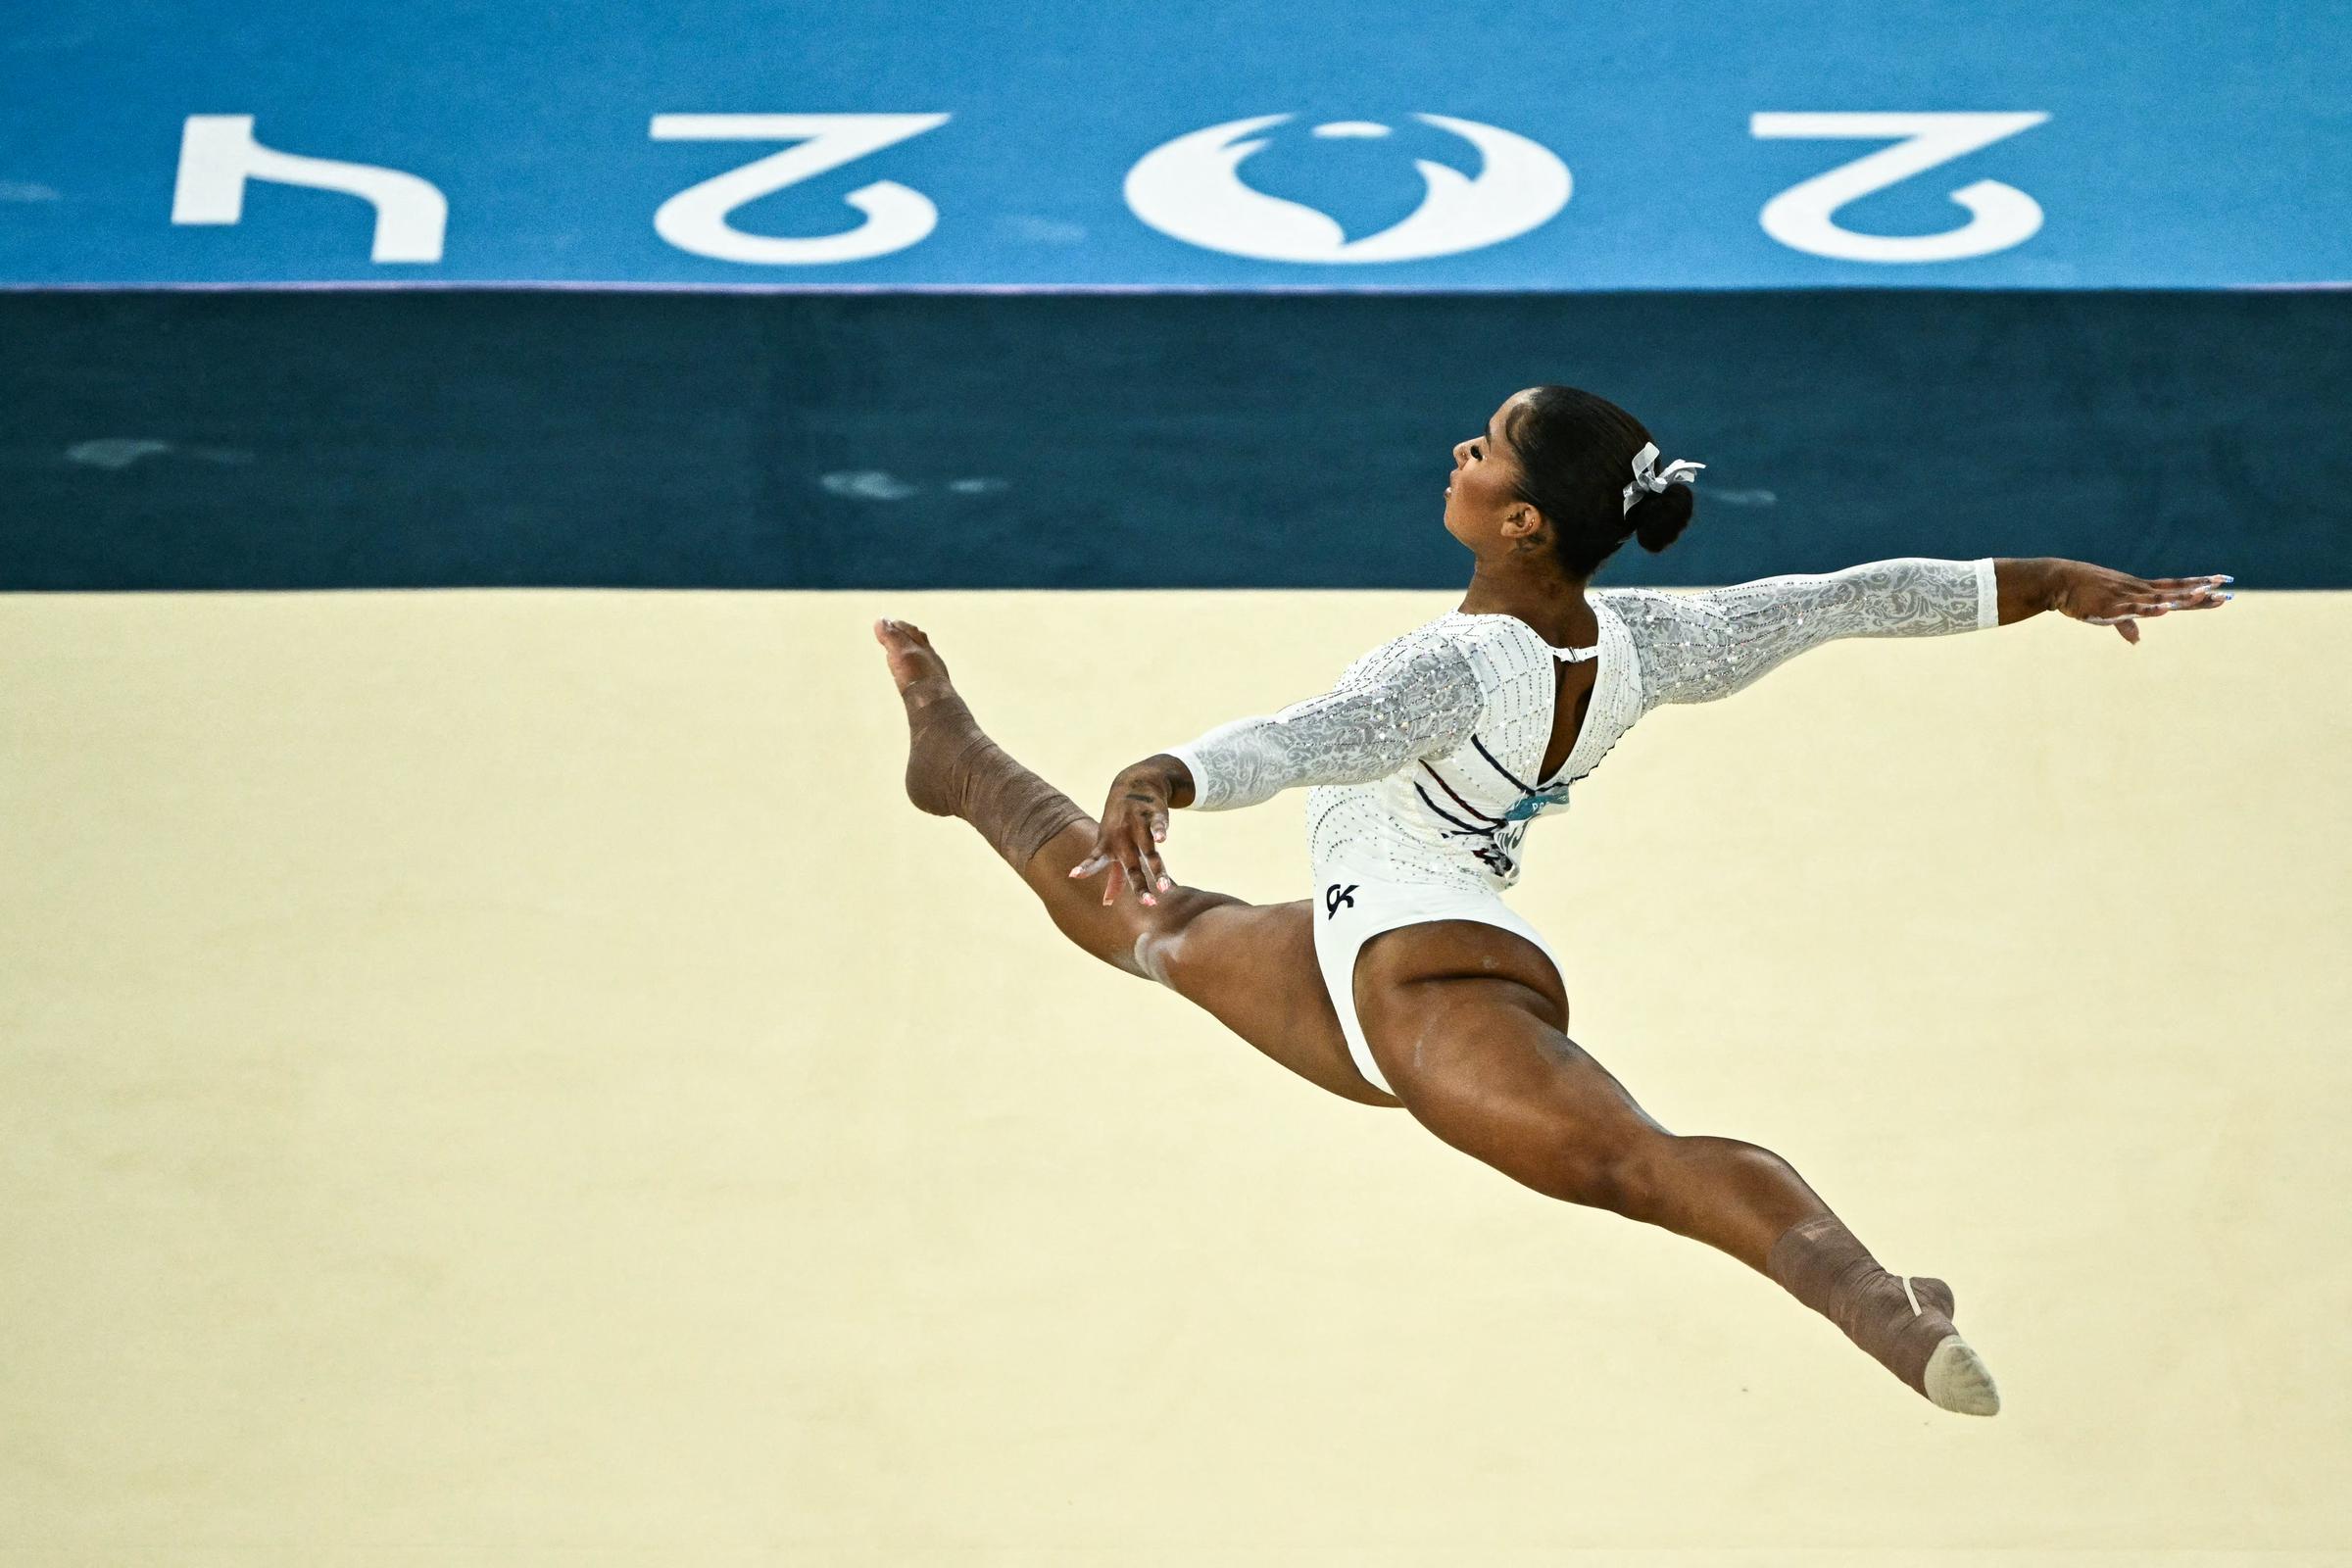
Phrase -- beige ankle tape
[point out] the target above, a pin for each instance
(953, 770)
(1821, 1264)
(1015, 811)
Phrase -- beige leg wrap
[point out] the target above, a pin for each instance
(1907, 1328)
(953, 770)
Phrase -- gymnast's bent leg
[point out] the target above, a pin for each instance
(1250, 967)
(1483, 1063)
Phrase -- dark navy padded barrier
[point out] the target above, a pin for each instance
(447, 438)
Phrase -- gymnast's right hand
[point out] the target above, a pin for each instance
(1135, 821)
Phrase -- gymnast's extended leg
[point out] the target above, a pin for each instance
(1250, 967)
(1481, 1058)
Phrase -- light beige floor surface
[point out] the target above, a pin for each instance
(504, 1078)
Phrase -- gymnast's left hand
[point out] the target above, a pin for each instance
(1134, 822)
(2100, 597)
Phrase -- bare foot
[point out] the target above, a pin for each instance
(911, 657)
(941, 732)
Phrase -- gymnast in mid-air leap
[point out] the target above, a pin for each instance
(1405, 979)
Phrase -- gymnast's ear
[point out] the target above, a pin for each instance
(1522, 521)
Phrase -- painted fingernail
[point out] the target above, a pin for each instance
(2226, 597)
(2223, 578)
(1165, 884)
(1147, 898)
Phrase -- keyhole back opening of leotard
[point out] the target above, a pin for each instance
(1572, 686)
(1579, 663)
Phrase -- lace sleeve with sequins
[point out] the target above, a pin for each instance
(1698, 647)
(1418, 696)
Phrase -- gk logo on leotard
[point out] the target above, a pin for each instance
(1335, 895)
(1191, 189)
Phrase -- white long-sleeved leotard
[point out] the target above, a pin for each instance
(1424, 758)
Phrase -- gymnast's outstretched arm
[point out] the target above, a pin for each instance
(1699, 647)
(1419, 696)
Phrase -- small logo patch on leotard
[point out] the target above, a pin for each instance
(1528, 806)
(1335, 895)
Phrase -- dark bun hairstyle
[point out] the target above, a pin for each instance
(1576, 457)
(1659, 520)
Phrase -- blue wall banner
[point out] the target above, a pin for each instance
(1387, 145)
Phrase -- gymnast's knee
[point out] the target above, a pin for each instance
(1152, 956)
(1163, 949)
(1620, 1168)
(1145, 941)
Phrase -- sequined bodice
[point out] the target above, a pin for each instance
(1423, 760)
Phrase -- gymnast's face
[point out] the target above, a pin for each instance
(1482, 507)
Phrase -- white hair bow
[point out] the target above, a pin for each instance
(1655, 483)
